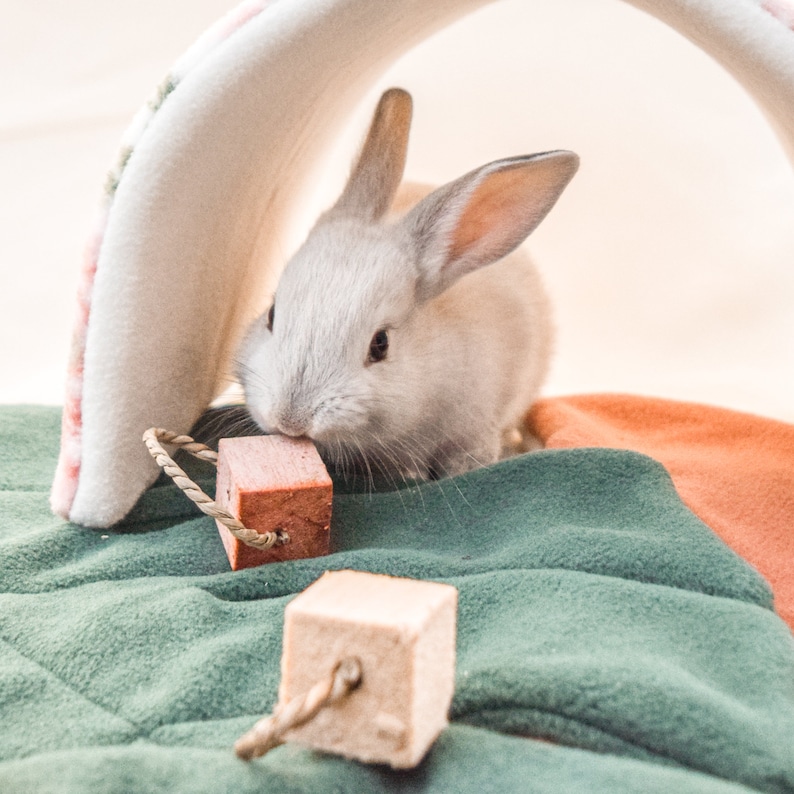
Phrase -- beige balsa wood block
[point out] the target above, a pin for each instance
(402, 631)
(271, 483)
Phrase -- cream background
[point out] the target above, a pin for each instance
(669, 259)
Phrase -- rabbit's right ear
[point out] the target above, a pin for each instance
(483, 216)
(378, 171)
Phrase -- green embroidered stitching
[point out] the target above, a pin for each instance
(154, 104)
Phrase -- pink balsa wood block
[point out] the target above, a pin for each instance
(271, 483)
(402, 631)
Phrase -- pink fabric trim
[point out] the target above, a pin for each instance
(236, 18)
(782, 10)
(68, 471)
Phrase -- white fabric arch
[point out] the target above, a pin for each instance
(214, 167)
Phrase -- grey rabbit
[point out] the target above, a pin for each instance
(409, 336)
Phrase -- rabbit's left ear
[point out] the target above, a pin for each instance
(483, 216)
(378, 170)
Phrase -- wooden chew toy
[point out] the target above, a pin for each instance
(273, 483)
(367, 669)
(273, 494)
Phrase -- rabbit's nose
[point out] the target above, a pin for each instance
(294, 422)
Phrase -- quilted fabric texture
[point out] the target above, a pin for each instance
(596, 612)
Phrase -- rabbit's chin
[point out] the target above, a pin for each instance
(379, 457)
(370, 468)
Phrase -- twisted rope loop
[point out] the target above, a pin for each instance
(269, 731)
(155, 437)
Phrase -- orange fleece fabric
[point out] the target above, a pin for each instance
(735, 471)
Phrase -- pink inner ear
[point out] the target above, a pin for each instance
(499, 214)
(484, 213)
(505, 208)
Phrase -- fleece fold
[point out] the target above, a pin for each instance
(732, 469)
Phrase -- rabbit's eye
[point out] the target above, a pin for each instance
(378, 347)
(271, 313)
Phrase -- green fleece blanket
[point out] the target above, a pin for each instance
(595, 612)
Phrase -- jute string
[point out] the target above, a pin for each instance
(269, 731)
(155, 437)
